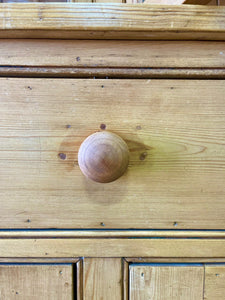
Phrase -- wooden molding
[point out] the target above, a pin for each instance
(111, 21)
(176, 2)
(108, 247)
(114, 234)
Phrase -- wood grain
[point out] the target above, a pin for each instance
(78, 280)
(103, 156)
(166, 282)
(50, 282)
(102, 278)
(111, 21)
(106, 247)
(174, 131)
(214, 282)
(170, 2)
(125, 286)
(115, 73)
(98, 234)
(174, 260)
(109, 54)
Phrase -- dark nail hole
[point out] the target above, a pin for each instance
(17, 293)
(217, 275)
(172, 88)
(142, 274)
(60, 272)
(143, 155)
(175, 224)
(28, 220)
(102, 86)
(78, 58)
(138, 127)
(62, 156)
(29, 87)
(68, 126)
(103, 126)
(102, 224)
(46, 253)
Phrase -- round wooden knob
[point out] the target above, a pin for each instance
(103, 156)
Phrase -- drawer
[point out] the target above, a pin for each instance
(175, 132)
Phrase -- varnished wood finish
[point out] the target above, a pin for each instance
(111, 21)
(98, 234)
(103, 156)
(102, 278)
(86, 54)
(36, 282)
(214, 282)
(166, 282)
(173, 129)
(106, 247)
(109, 73)
(78, 280)
(125, 286)
(195, 260)
(112, 59)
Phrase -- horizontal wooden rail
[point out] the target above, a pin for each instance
(111, 21)
(96, 234)
(202, 248)
(142, 73)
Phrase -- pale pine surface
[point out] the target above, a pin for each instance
(175, 133)
(166, 282)
(36, 282)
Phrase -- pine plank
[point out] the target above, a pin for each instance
(214, 282)
(166, 282)
(109, 54)
(102, 278)
(111, 21)
(178, 124)
(36, 282)
(106, 247)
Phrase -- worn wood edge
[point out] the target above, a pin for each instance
(174, 260)
(39, 260)
(201, 248)
(142, 73)
(117, 21)
(126, 261)
(125, 286)
(98, 234)
(79, 280)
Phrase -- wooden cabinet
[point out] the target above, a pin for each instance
(154, 78)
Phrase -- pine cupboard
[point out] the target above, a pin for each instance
(112, 142)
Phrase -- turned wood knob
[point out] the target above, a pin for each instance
(103, 156)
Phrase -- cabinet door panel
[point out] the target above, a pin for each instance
(36, 282)
(214, 282)
(177, 282)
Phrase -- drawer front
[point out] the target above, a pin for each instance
(175, 132)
